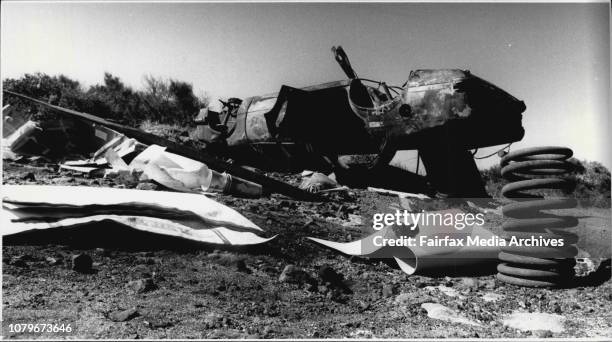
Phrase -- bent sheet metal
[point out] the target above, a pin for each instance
(189, 216)
(423, 258)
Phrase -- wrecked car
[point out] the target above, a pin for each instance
(442, 113)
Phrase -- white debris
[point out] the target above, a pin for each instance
(403, 299)
(441, 312)
(316, 182)
(188, 216)
(400, 194)
(533, 321)
(449, 291)
(353, 221)
(492, 297)
(496, 211)
(362, 333)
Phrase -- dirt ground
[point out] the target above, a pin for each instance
(147, 286)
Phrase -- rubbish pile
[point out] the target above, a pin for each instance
(126, 161)
(130, 156)
(23, 136)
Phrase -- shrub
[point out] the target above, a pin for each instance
(163, 101)
(591, 179)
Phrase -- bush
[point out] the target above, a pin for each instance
(591, 179)
(163, 101)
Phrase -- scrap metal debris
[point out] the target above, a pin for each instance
(442, 114)
(421, 259)
(189, 216)
(268, 183)
(115, 150)
(441, 312)
(492, 297)
(178, 173)
(399, 193)
(13, 143)
(317, 181)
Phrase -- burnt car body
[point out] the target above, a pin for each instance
(441, 113)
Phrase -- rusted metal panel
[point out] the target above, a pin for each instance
(203, 129)
(253, 110)
(425, 77)
(434, 98)
(256, 126)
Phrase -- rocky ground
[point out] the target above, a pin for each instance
(111, 282)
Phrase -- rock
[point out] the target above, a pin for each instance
(230, 260)
(363, 306)
(268, 330)
(585, 266)
(388, 291)
(214, 320)
(53, 261)
(492, 297)
(294, 275)
(63, 180)
(331, 278)
(422, 284)
(225, 334)
(329, 275)
(103, 251)
(141, 285)
(81, 263)
(556, 307)
(469, 283)
(123, 315)
(533, 321)
(405, 299)
(488, 283)
(353, 221)
(542, 333)
(361, 334)
(241, 266)
(29, 177)
(448, 281)
(449, 291)
(155, 323)
(317, 181)
(441, 312)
